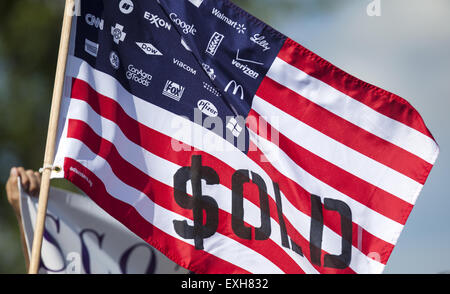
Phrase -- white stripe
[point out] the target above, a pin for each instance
(339, 154)
(137, 108)
(163, 171)
(353, 111)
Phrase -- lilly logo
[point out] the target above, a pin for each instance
(207, 108)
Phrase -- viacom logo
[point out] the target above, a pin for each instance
(214, 43)
(196, 2)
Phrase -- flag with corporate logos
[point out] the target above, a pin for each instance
(231, 148)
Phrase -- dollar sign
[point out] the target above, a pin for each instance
(198, 202)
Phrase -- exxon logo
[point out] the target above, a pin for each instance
(157, 21)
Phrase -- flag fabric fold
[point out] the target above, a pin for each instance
(231, 148)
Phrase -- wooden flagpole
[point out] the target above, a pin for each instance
(51, 136)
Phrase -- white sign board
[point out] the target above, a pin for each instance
(81, 238)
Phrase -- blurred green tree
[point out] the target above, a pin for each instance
(29, 33)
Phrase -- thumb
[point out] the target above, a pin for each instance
(11, 184)
(14, 172)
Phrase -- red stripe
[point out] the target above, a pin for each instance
(343, 131)
(376, 98)
(341, 180)
(300, 199)
(199, 262)
(162, 194)
(145, 136)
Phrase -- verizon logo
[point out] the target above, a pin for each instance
(245, 69)
(214, 43)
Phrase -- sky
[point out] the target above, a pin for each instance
(405, 50)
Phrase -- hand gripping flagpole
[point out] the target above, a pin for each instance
(51, 136)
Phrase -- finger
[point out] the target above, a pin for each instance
(33, 186)
(24, 178)
(12, 189)
(11, 184)
(38, 177)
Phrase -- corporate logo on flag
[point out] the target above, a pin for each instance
(157, 21)
(240, 28)
(214, 43)
(211, 89)
(209, 71)
(118, 33)
(94, 21)
(207, 108)
(148, 48)
(238, 58)
(184, 66)
(260, 41)
(138, 75)
(114, 60)
(126, 6)
(236, 88)
(173, 90)
(91, 47)
(245, 68)
(186, 28)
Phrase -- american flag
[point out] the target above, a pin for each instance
(231, 148)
